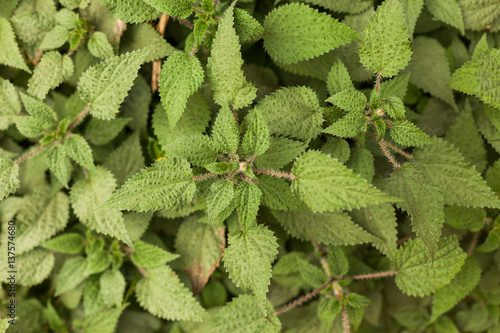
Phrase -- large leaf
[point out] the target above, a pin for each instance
(9, 51)
(52, 70)
(126, 160)
(479, 14)
(447, 11)
(281, 152)
(9, 103)
(131, 11)
(289, 40)
(9, 177)
(34, 267)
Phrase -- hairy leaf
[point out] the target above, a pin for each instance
(256, 139)
(9, 51)
(9, 177)
(221, 195)
(406, 133)
(99, 46)
(281, 152)
(52, 70)
(225, 133)
(68, 243)
(198, 149)
(126, 160)
(34, 267)
(176, 8)
(247, 196)
(147, 255)
(447, 11)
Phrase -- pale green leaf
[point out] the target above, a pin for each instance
(55, 38)
(161, 285)
(176, 8)
(312, 275)
(406, 133)
(198, 149)
(338, 78)
(9, 177)
(9, 103)
(138, 36)
(349, 126)
(68, 243)
(479, 14)
(86, 198)
(112, 288)
(384, 45)
(98, 259)
(325, 184)
(165, 185)
(147, 255)
(131, 11)
(247, 196)
(43, 117)
(92, 297)
(58, 163)
(227, 80)
(181, 76)
(412, 9)
(248, 259)
(72, 273)
(337, 148)
(247, 28)
(101, 131)
(343, 6)
(281, 152)
(103, 321)
(78, 149)
(220, 196)
(106, 84)
(9, 51)
(337, 261)
(419, 274)
(289, 40)
(126, 160)
(136, 224)
(460, 183)
(99, 46)
(218, 167)
(276, 193)
(50, 72)
(225, 133)
(292, 112)
(34, 267)
(349, 100)
(286, 271)
(447, 11)
(361, 161)
(256, 139)
(395, 87)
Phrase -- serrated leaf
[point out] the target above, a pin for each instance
(176, 8)
(126, 160)
(292, 112)
(220, 196)
(248, 259)
(34, 267)
(42, 117)
(335, 228)
(98, 259)
(161, 285)
(103, 321)
(460, 183)
(412, 9)
(478, 15)
(247, 196)
(289, 41)
(338, 78)
(198, 149)
(419, 274)
(148, 255)
(462, 284)
(138, 36)
(349, 100)
(199, 261)
(163, 186)
(106, 84)
(357, 301)
(99, 46)
(338, 149)
(343, 6)
(328, 309)
(68, 243)
(136, 224)
(256, 139)
(55, 38)
(72, 273)
(244, 315)
(479, 77)
(58, 163)
(247, 28)
(181, 76)
(112, 285)
(281, 152)
(429, 56)
(52, 70)
(325, 184)
(276, 193)
(93, 301)
(131, 11)
(312, 275)
(464, 218)
(78, 149)
(9, 54)
(362, 163)
(337, 261)
(447, 11)
(225, 133)
(42, 215)
(101, 131)
(406, 133)
(349, 126)
(422, 200)
(218, 168)
(394, 107)
(9, 177)
(386, 27)
(86, 198)
(395, 87)
(9, 104)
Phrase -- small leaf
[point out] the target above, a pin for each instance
(42, 118)
(147, 255)
(281, 152)
(256, 139)
(112, 288)
(338, 78)
(247, 196)
(67, 243)
(34, 267)
(9, 177)
(52, 70)
(225, 133)
(406, 133)
(337, 261)
(55, 38)
(277, 194)
(9, 51)
(72, 273)
(198, 149)
(349, 126)
(311, 274)
(221, 195)
(99, 46)
(176, 8)
(349, 100)
(78, 149)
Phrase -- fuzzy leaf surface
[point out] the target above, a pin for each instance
(9, 177)
(52, 70)
(9, 54)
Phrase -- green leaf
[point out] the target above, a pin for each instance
(126, 160)
(464, 218)
(328, 309)
(349, 126)
(34, 267)
(198, 149)
(338, 78)
(86, 198)
(244, 315)
(136, 224)
(256, 139)
(55, 38)
(131, 11)
(478, 15)
(325, 184)
(422, 200)
(181, 76)
(225, 133)
(9, 177)
(99, 46)
(394, 107)
(412, 9)
(138, 36)
(281, 152)
(479, 77)
(289, 40)
(312, 275)
(163, 284)
(176, 8)
(248, 259)
(395, 87)
(277, 194)
(199, 261)
(349, 100)
(447, 11)
(9, 104)
(106, 84)
(224, 67)
(460, 183)
(42, 215)
(55, 322)
(103, 321)
(78, 149)
(384, 45)
(337, 261)
(462, 284)
(220, 196)
(335, 228)
(357, 301)
(43, 118)
(9, 54)
(419, 274)
(429, 56)
(247, 196)
(147, 255)
(101, 131)
(292, 112)
(52, 70)
(338, 149)
(72, 273)
(218, 167)
(166, 185)
(200, 28)
(362, 163)
(98, 259)
(406, 133)
(92, 296)
(247, 28)
(112, 288)
(68, 243)
(343, 6)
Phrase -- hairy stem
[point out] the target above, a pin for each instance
(377, 83)
(185, 22)
(303, 299)
(29, 155)
(392, 147)
(387, 154)
(345, 320)
(374, 275)
(80, 116)
(275, 173)
(205, 176)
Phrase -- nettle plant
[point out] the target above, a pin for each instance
(307, 166)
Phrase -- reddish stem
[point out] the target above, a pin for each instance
(374, 275)
(275, 173)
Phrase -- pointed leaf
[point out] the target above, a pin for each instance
(99, 46)
(256, 139)
(277, 194)
(247, 196)
(281, 152)
(9, 177)
(221, 195)
(52, 70)
(349, 100)
(78, 149)
(112, 287)
(9, 51)
(225, 133)
(198, 149)
(447, 11)
(55, 38)
(42, 118)
(72, 273)
(34, 267)
(176, 8)
(126, 160)
(338, 78)
(349, 126)
(147, 255)
(67, 243)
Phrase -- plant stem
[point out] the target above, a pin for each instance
(29, 155)
(387, 154)
(155, 77)
(374, 275)
(302, 299)
(390, 146)
(216, 3)
(345, 320)
(130, 289)
(377, 83)
(80, 116)
(185, 22)
(205, 176)
(275, 173)
(473, 244)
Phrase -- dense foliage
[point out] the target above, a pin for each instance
(250, 166)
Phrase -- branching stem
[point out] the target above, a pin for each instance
(29, 155)
(275, 173)
(374, 275)
(392, 147)
(80, 116)
(387, 154)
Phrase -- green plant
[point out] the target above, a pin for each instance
(307, 165)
